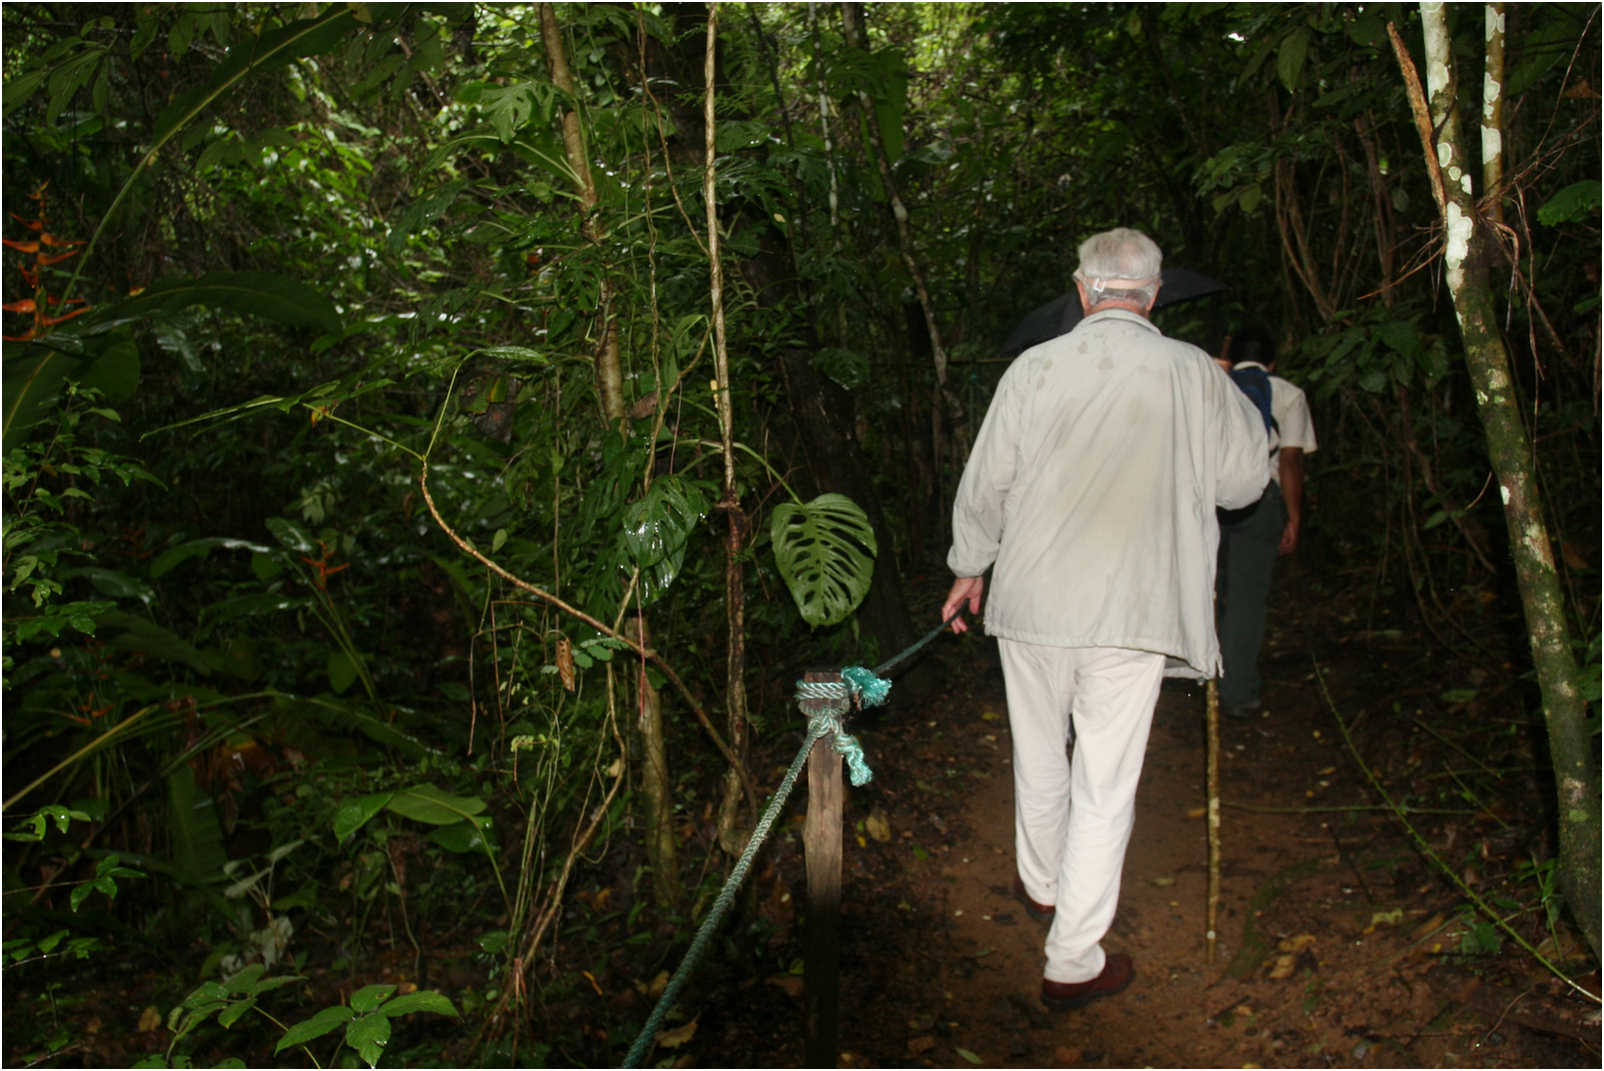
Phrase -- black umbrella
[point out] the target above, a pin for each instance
(1062, 313)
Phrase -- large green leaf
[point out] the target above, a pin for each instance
(825, 551)
(275, 47)
(130, 632)
(193, 829)
(1579, 200)
(325, 1021)
(34, 373)
(657, 529)
(427, 804)
(368, 1035)
(422, 1000)
(352, 815)
(250, 293)
(174, 556)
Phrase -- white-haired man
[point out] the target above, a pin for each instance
(1090, 495)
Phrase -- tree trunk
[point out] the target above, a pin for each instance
(655, 781)
(731, 838)
(1510, 448)
(656, 789)
(946, 411)
(609, 373)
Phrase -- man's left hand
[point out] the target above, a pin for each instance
(966, 589)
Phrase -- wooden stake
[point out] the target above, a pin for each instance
(821, 835)
(1213, 720)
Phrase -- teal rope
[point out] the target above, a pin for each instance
(817, 728)
(858, 686)
(907, 652)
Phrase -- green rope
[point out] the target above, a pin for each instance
(857, 687)
(816, 728)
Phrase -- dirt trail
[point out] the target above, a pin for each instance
(1334, 941)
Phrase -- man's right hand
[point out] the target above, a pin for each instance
(966, 589)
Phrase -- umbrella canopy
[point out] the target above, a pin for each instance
(1062, 313)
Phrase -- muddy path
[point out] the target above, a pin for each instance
(1338, 945)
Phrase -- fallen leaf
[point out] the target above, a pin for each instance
(1163, 881)
(1296, 944)
(150, 1019)
(1387, 918)
(971, 1057)
(659, 984)
(791, 985)
(1435, 922)
(1283, 967)
(878, 825)
(673, 1039)
(922, 1044)
(1196, 812)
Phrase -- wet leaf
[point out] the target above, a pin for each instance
(673, 1039)
(825, 550)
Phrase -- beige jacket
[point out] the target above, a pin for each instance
(1091, 489)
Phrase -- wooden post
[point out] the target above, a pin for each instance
(821, 835)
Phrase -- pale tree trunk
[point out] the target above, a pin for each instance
(660, 843)
(1510, 447)
(1492, 117)
(731, 837)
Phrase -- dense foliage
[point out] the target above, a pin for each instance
(269, 704)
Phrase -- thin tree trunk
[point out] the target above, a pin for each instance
(655, 786)
(734, 584)
(1510, 448)
(655, 781)
(1492, 117)
(944, 404)
(609, 369)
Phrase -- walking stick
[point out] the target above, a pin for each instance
(1213, 787)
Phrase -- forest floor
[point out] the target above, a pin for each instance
(1338, 944)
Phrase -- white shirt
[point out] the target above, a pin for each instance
(1289, 408)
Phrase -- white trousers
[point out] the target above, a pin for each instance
(1070, 854)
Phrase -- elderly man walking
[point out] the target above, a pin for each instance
(1090, 495)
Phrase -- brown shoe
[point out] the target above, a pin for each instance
(1066, 996)
(1039, 912)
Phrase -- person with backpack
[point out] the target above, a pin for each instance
(1251, 539)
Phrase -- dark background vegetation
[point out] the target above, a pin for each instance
(262, 712)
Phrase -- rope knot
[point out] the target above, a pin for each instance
(829, 700)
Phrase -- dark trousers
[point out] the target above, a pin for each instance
(1248, 541)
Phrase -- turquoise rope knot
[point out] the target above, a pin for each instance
(869, 689)
(858, 771)
(856, 685)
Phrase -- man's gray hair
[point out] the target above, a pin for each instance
(1121, 264)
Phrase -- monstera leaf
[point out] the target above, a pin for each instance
(825, 550)
(656, 530)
